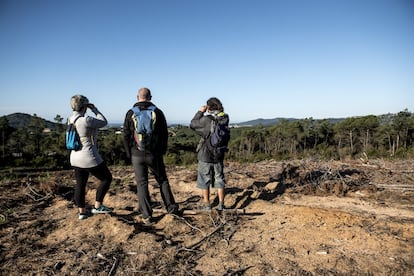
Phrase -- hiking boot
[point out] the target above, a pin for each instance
(147, 221)
(83, 216)
(220, 207)
(174, 211)
(101, 210)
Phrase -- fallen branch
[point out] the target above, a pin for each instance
(33, 191)
(32, 197)
(400, 187)
(189, 224)
(114, 265)
(196, 212)
(198, 243)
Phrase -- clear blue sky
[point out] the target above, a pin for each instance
(263, 59)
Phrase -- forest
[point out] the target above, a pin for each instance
(41, 145)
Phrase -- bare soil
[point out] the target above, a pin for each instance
(300, 217)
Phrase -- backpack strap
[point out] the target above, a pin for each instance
(82, 138)
(213, 125)
(73, 123)
(76, 120)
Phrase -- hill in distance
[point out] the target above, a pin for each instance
(22, 120)
(275, 121)
(264, 122)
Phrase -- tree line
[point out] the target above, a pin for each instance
(384, 136)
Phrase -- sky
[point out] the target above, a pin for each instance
(262, 58)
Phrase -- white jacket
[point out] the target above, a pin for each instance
(87, 127)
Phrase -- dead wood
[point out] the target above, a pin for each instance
(198, 243)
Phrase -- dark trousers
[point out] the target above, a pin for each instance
(81, 174)
(142, 164)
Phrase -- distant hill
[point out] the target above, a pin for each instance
(22, 120)
(264, 122)
(275, 121)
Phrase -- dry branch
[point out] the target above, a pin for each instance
(198, 243)
(196, 212)
(400, 187)
(114, 265)
(186, 222)
(36, 195)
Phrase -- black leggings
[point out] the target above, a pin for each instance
(81, 174)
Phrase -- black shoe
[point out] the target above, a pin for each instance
(174, 211)
(147, 221)
(83, 216)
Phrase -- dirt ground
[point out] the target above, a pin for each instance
(299, 217)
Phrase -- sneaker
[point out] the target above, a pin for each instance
(147, 221)
(220, 207)
(83, 216)
(101, 210)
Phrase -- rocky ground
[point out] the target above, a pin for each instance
(299, 217)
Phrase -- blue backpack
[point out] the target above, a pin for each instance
(144, 121)
(218, 139)
(73, 141)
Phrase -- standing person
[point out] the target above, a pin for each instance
(149, 158)
(87, 160)
(210, 166)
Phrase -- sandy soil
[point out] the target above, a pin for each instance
(301, 217)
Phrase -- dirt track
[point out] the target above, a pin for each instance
(301, 218)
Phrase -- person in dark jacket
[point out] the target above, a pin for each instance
(149, 159)
(210, 169)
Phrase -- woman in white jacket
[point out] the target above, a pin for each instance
(87, 160)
